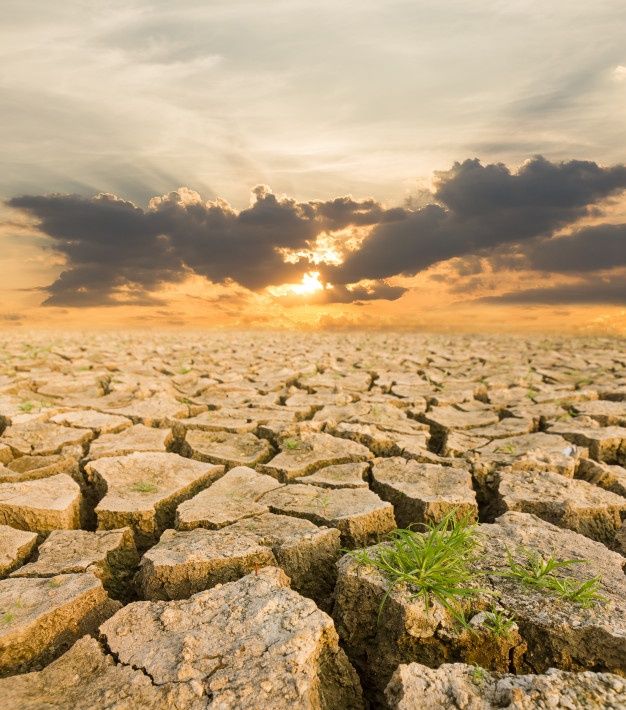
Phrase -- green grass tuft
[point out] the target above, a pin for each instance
(435, 564)
(539, 572)
(291, 444)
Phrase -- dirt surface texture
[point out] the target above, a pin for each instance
(321, 521)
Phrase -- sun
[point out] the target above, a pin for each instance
(309, 285)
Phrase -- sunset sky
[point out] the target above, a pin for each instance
(441, 165)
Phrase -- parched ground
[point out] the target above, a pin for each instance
(176, 513)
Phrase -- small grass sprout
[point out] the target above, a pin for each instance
(144, 487)
(583, 382)
(508, 448)
(291, 444)
(539, 572)
(477, 674)
(498, 622)
(585, 594)
(323, 501)
(535, 568)
(432, 565)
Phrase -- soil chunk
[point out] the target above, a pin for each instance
(250, 643)
(456, 685)
(109, 554)
(37, 438)
(237, 494)
(16, 546)
(421, 492)
(143, 490)
(345, 475)
(308, 452)
(42, 505)
(41, 618)
(227, 449)
(359, 514)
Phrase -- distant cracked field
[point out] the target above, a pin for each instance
(183, 519)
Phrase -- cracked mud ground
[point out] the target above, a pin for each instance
(176, 514)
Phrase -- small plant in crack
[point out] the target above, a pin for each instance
(292, 444)
(498, 622)
(435, 564)
(584, 382)
(478, 675)
(507, 449)
(323, 501)
(539, 572)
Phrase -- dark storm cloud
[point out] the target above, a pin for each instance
(108, 243)
(480, 207)
(344, 211)
(588, 249)
(594, 248)
(341, 294)
(590, 291)
(381, 290)
(118, 252)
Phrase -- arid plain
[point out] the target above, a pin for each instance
(287, 520)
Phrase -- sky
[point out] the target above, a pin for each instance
(450, 165)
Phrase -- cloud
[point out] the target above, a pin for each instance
(593, 248)
(619, 73)
(590, 291)
(378, 290)
(339, 293)
(13, 319)
(370, 292)
(478, 207)
(117, 252)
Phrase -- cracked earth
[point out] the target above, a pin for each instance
(178, 517)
